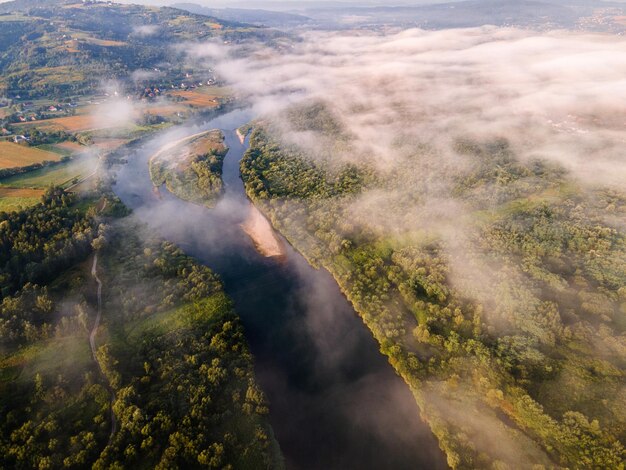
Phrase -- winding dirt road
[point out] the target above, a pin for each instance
(92, 342)
(94, 332)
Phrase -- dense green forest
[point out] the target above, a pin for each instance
(505, 316)
(192, 171)
(39, 242)
(170, 351)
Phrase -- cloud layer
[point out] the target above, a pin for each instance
(559, 96)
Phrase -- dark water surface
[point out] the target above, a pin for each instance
(335, 402)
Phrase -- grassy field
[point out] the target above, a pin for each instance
(61, 175)
(14, 155)
(55, 148)
(15, 17)
(69, 146)
(58, 356)
(108, 144)
(12, 199)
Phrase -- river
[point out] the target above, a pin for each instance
(335, 402)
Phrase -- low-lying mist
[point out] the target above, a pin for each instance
(558, 96)
(408, 104)
(490, 167)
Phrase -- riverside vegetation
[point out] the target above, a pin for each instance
(511, 334)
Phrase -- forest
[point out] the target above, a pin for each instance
(172, 382)
(510, 330)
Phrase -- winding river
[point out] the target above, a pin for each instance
(335, 402)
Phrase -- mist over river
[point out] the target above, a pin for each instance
(335, 402)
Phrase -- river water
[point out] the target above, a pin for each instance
(335, 402)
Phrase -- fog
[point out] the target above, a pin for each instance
(557, 96)
(402, 103)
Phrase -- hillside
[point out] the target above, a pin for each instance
(56, 49)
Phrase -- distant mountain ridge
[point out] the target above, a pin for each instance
(253, 16)
(456, 14)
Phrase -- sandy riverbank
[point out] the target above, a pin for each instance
(242, 138)
(262, 234)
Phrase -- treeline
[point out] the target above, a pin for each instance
(514, 338)
(6, 172)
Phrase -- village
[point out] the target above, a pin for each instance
(58, 141)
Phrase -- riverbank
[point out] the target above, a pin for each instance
(242, 138)
(318, 364)
(258, 228)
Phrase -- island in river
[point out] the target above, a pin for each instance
(191, 168)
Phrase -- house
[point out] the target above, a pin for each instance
(22, 119)
(20, 138)
(53, 108)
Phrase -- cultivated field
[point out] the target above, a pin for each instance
(70, 146)
(197, 98)
(83, 122)
(14, 155)
(167, 109)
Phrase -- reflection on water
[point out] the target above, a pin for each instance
(335, 402)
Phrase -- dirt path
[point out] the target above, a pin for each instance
(82, 180)
(92, 341)
(94, 332)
